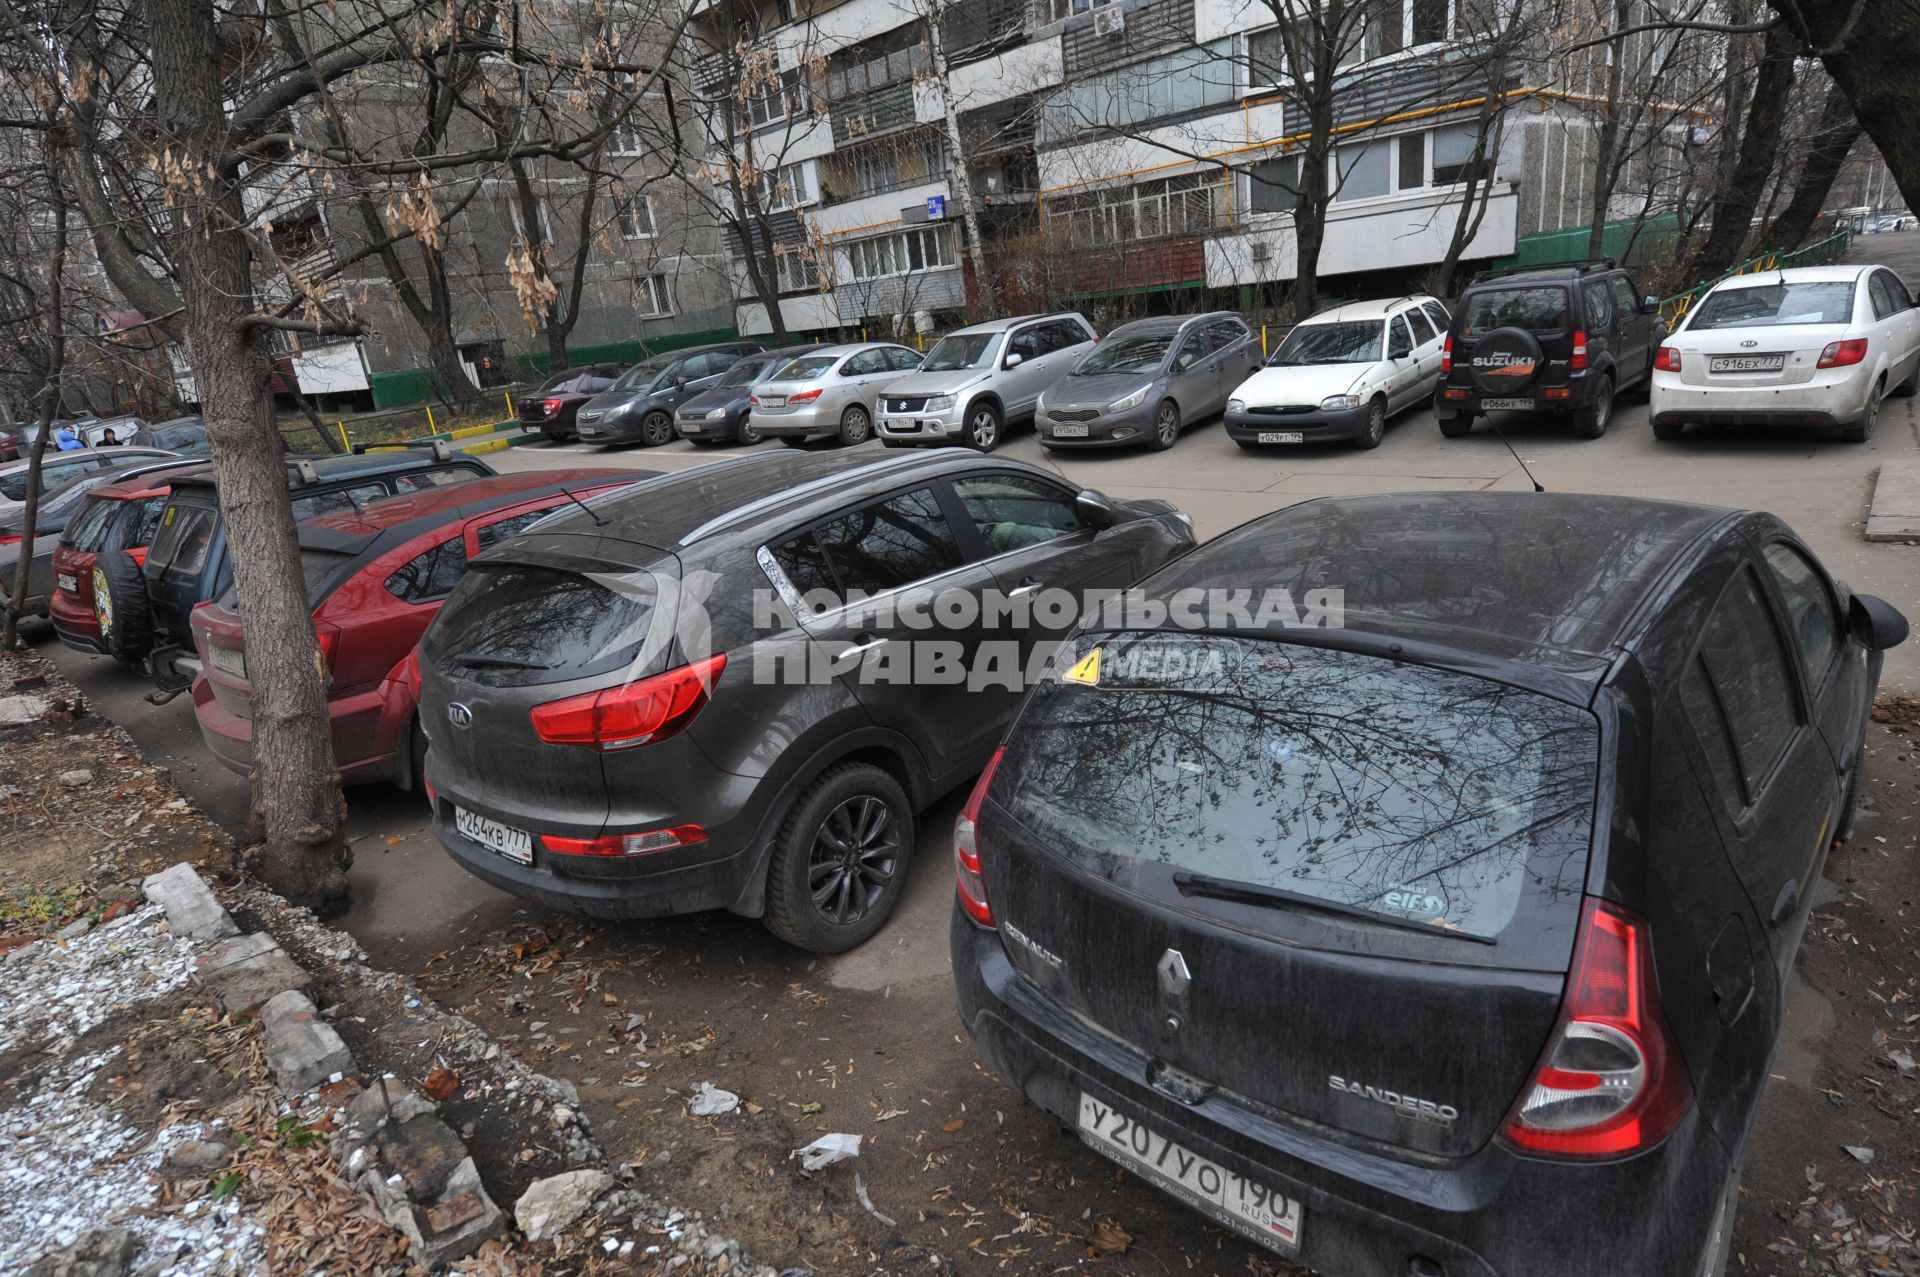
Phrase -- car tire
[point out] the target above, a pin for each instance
(1454, 425)
(793, 441)
(851, 832)
(126, 626)
(856, 425)
(1369, 439)
(1862, 430)
(1592, 418)
(984, 427)
(746, 433)
(1669, 429)
(417, 756)
(1166, 426)
(656, 428)
(1719, 1247)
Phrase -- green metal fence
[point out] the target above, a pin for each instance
(1674, 308)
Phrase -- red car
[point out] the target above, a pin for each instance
(377, 576)
(110, 533)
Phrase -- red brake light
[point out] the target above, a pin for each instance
(632, 714)
(549, 406)
(805, 396)
(1667, 360)
(1842, 354)
(1611, 1081)
(329, 642)
(413, 674)
(1446, 355)
(966, 848)
(626, 844)
(1579, 351)
(139, 554)
(8, 540)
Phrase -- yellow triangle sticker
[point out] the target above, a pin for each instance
(1086, 671)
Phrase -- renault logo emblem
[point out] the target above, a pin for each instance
(1175, 979)
(459, 715)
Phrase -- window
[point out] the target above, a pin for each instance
(1599, 306)
(651, 296)
(1225, 333)
(864, 364)
(1423, 331)
(1438, 314)
(805, 565)
(1746, 666)
(794, 270)
(431, 574)
(783, 187)
(1170, 206)
(1062, 334)
(1276, 184)
(1794, 302)
(1626, 298)
(89, 530)
(1884, 304)
(521, 625)
(902, 360)
(1541, 309)
(337, 502)
(626, 138)
(1810, 605)
(1398, 334)
(1399, 25)
(1413, 161)
(635, 214)
(1012, 511)
(1266, 59)
(900, 252)
(1195, 348)
(1361, 172)
(187, 541)
(889, 544)
(506, 529)
(782, 95)
(1454, 149)
(420, 480)
(144, 524)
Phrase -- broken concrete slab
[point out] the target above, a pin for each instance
(302, 1049)
(191, 908)
(1895, 512)
(550, 1204)
(245, 972)
(449, 1228)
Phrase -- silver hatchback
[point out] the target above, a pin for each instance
(828, 394)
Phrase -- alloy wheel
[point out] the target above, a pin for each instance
(656, 428)
(983, 429)
(856, 852)
(747, 434)
(1166, 426)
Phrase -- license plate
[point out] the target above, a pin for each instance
(1282, 436)
(1250, 1209)
(1747, 363)
(70, 583)
(773, 401)
(589, 432)
(514, 844)
(230, 661)
(1070, 432)
(1516, 405)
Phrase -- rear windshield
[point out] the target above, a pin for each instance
(508, 625)
(808, 367)
(319, 567)
(52, 479)
(1824, 301)
(87, 531)
(1540, 309)
(745, 373)
(184, 539)
(1418, 796)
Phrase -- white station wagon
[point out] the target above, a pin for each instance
(1808, 346)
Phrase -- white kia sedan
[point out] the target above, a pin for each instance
(1809, 346)
(1341, 374)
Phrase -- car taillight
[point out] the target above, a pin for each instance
(1843, 354)
(329, 642)
(549, 406)
(9, 540)
(413, 674)
(1446, 355)
(966, 848)
(633, 714)
(626, 844)
(139, 555)
(1667, 360)
(805, 396)
(1579, 351)
(753, 401)
(1611, 1081)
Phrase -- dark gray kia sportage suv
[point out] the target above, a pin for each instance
(734, 687)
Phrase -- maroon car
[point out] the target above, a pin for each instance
(552, 408)
(375, 577)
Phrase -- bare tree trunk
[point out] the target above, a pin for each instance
(1827, 150)
(1734, 204)
(1479, 193)
(959, 180)
(535, 233)
(1870, 50)
(297, 807)
(1604, 167)
(55, 313)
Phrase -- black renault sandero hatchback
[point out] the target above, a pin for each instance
(1451, 941)
(735, 686)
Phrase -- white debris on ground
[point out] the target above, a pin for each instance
(56, 990)
(68, 1164)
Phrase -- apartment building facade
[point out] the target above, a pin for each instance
(1146, 154)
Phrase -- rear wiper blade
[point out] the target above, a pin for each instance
(479, 661)
(1199, 884)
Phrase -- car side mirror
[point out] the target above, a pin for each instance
(1399, 350)
(1650, 304)
(1014, 360)
(1096, 509)
(1182, 363)
(1876, 622)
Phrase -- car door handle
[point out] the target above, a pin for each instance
(1027, 586)
(863, 643)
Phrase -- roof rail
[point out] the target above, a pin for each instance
(1582, 264)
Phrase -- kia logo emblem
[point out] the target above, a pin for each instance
(459, 715)
(1749, 343)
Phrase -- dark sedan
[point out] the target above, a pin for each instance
(1452, 937)
(639, 407)
(719, 414)
(554, 407)
(753, 718)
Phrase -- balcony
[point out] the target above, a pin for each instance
(976, 28)
(1146, 28)
(873, 114)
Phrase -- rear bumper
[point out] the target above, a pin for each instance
(1312, 427)
(1493, 1214)
(806, 423)
(1811, 404)
(363, 743)
(74, 624)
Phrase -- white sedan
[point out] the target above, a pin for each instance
(1810, 346)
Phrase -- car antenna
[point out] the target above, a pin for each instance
(1516, 456)
(599, 522)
